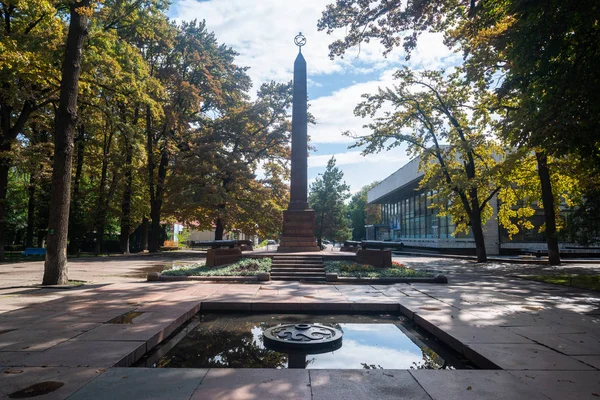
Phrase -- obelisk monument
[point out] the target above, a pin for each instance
(298, 219)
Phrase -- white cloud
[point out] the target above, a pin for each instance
(263, 32)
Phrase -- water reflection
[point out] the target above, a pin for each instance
(225, 342)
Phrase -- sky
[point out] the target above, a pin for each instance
(263, 31)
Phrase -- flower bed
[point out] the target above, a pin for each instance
(245, 267)
(353, 269)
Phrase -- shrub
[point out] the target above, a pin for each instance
(244, 267)
(354, 269)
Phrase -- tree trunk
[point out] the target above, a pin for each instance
(30, 211)
(144, 244)
(219, 229)
(55, 267)
(154, 244)
(548, 203)
(477, 227)
(4, 168)
(126, 202)
(75, 228)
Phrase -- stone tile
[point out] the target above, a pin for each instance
(474, 385)
(124, 332)
(250, 384)
(94, 313)
(521, 357)
(593, 361)
(78, 353)
(15, 379)
(561, 385)
(142, 383)
(530, 331)
(35, 340)
(458, 337)
(365, 385)
(14, 358)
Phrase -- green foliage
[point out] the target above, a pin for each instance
(433, 113)
(353, 269)
(327, 195)
(361, 213)
(244, 267)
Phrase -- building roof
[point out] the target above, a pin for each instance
(403, 177)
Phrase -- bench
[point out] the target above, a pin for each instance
(218, 244)
(34, 251)
(380, 245)
(535, 252)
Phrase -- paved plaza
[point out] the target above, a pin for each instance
(534, 340)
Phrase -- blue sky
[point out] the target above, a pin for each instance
(262, 31)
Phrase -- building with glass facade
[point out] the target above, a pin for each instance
(407, 216)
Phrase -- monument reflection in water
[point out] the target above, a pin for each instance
(299, 340)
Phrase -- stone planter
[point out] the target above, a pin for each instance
(263, 276)
(331, 277)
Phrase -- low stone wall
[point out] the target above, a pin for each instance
(216, 257)
(376, 258)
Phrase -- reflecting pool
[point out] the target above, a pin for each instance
(369, 342)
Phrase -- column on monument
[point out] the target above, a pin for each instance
(299, 178)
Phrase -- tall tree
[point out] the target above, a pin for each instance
(226, 153)
(327, 196)
(362, 213)
(55, 267)
(545, 56)
(433, 115)
(30, 38)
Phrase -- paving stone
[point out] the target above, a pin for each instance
(16, 379)
(365, 385)
(142, 383)
(78, 353)
(593, 361)
(124, 332)
(562, 385)
(36, 340)
(521, 357)
(250, 384)
(458, 337)
(14, 358)
(474, 385)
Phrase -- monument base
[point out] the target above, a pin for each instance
(298, 232)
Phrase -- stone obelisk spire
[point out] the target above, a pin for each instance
(299, 180)
(299, 220)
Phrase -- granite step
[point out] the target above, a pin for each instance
(290, 271)
(297, 263)
(317, 278)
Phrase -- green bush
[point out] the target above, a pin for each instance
(244, 267)
(354, 269)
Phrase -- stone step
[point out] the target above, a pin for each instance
(296, 262)
(294, 270)
(297, 249)
(296, 273)
(297, 278)
(297, 257)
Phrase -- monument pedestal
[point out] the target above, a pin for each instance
(298, 232)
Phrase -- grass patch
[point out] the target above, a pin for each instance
(353, 269)
(590, 282)
(245, 267)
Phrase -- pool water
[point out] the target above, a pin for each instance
(369, 342)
